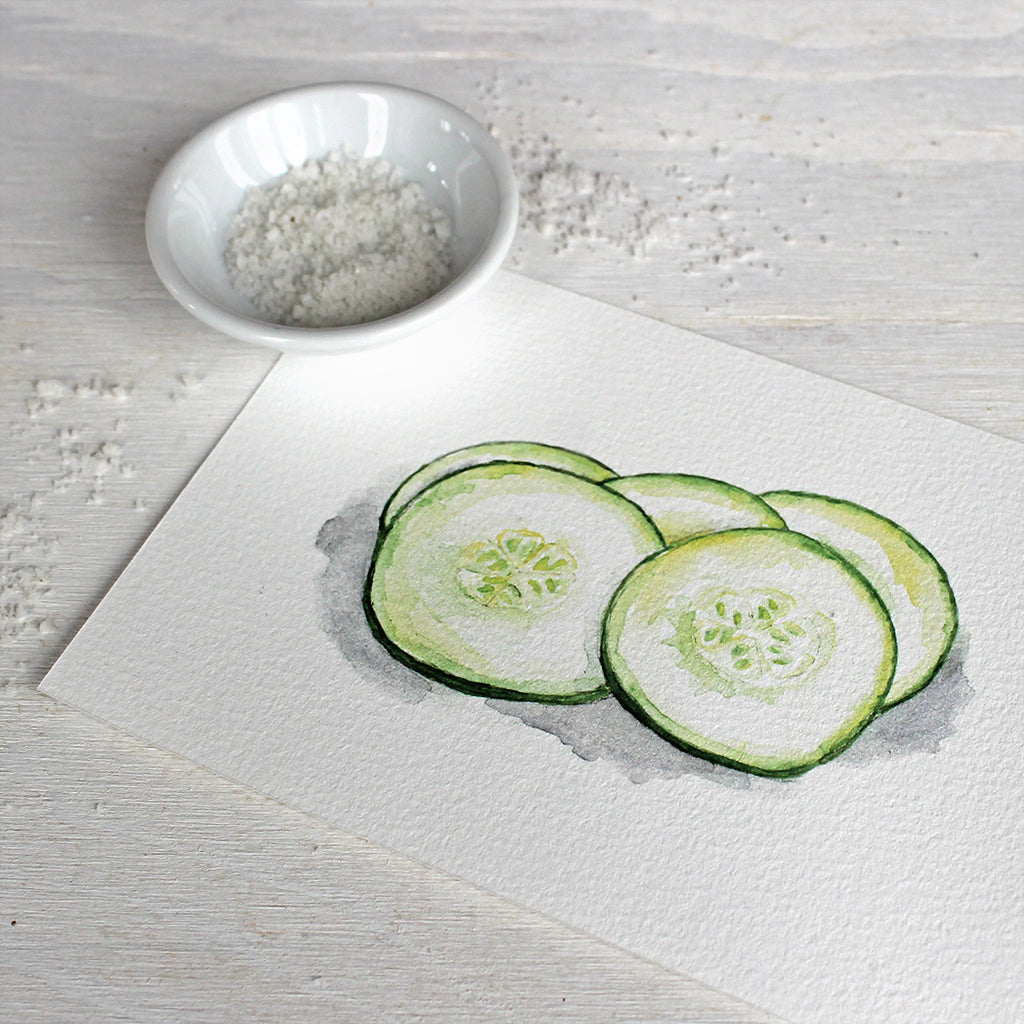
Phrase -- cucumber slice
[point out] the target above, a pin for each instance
(911, 583)
(494, 580)
(760, 649)
(684, 506)
(492, 451)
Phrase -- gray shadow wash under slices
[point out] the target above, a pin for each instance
(606, 730)
(603, 730)
(348, 541)
(923, 721)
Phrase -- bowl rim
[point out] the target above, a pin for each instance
(331, 339)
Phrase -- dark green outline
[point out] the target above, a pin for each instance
(774, 517)
(637, 709)
(953, 619)
(475, 687)
(386, 520)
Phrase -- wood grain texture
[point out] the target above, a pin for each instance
(836, 185)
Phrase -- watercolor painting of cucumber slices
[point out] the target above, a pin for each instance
(684, 506)
(909, 580)
(760, 649)
(494, 451)
(492, 578)
(763, 633)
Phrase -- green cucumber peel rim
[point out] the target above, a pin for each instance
(683, 505)
(532, 452)
(493, 580)
(909, 579)
(759, 649)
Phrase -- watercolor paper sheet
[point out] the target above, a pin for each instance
(882, 885)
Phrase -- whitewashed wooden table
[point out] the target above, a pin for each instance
(839, 185)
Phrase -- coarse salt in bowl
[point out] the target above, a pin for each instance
(463, 172)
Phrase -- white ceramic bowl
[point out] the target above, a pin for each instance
(461, 168)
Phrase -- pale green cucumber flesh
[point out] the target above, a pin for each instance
(683, 506)
(911, 583)
(532, 452)
(495, 578)
(759, 649)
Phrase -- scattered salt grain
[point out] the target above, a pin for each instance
(568, 204)
(24, 576)
(337, 241)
